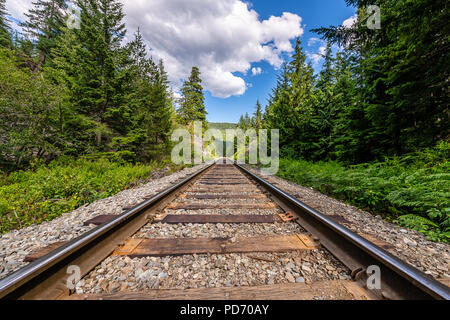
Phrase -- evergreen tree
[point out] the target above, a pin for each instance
(5, 29)
(301, 77)
(302, 101)
(241, 123)
(193, 101)
(403, 72)
(159, 125)
(258, 116)
(44, 24)
(325, 111)
(326, 74)
(279, 113)
(350, 129)
(96, 70)
(97, 63)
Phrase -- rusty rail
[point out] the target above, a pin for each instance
(399, 280)
(44, 278)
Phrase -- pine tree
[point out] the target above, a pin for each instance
(241, 123)
(302, 101)
(258, 116)
(44, 24)
(280, 114)
(96, 70)
(101, 63)
(301, 77)
(160, 113)
(325, 111)
(403, 74)
(5, 29)
(326, 74)
(193, 101)
(350, 129)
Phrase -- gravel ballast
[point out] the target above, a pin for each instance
(210, 270)
(409, 245)
(16, 245)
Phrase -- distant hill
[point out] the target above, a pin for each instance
(221, 125)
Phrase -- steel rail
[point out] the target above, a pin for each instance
(399, 279)
(14, 285)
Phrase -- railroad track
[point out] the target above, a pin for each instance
(222, 233)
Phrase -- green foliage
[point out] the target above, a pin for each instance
(221, 126)
(401, 72)
(31, 111)
(291, 105)
(416, 185)
(384, 93)
(80, 91)
(424, 226)
(5, 29)
(42, 194)
(43, 26)
(192, 103)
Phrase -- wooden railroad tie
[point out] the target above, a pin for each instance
(219, 218)
(225, 196)
(44, 251)
(135, 248)
(222, 189)
(100, 219)
(200, 206)
(223, 183)
(332, 289)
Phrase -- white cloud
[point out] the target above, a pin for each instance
(348, 23)
(318, 56)
(17, 9)
(221, 37)
(312, 41)
(256, 71)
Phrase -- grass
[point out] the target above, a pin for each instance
(413, 190)
(48, 191)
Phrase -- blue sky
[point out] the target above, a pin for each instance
(238, 45)
(314, 13)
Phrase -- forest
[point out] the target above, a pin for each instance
(83, 91)
(372, 127)
(83, 113)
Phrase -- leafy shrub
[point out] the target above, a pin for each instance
(42, 194)
(399, 188)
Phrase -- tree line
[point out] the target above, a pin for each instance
(81, 90)
(384, 93)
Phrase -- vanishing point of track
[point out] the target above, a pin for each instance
(232, 193)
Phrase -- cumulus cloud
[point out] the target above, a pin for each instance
(256, 71)
(17, 10)
(318, 56)
(222, 37)
(312, 41)
(348, 23)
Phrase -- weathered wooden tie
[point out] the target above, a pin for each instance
(44, 251)
(222, 189)
(225, 196)
(331, 289)
(216, 183)
(219, 218)
(202, 206)
(100, 219)
(181, 246)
